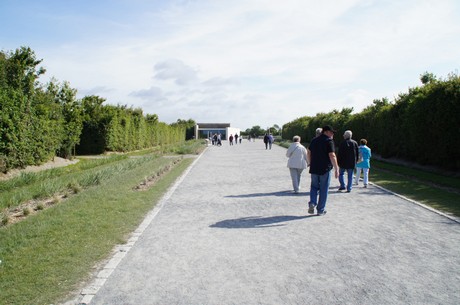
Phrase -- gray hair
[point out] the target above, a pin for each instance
(296, 139)
(347, 134)
(318, 131)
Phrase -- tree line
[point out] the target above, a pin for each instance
(40, 121)
(420, 125)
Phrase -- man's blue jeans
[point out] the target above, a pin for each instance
(319, 185)
(349, 178)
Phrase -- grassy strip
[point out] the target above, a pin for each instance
(27, 178)
(422, 190)
(48, 186)
(442, 180)
(46, 256)
(191, 147)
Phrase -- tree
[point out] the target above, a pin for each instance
(255, 131)
(189, 126)
(72, 116)
(427, 78)
(275, 130)
(21, 71)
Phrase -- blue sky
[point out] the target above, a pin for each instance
(245, 62)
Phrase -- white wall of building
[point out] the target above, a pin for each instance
(233, 131)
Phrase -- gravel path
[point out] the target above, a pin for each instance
(232, 232)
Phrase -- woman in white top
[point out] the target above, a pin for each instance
(297, 162)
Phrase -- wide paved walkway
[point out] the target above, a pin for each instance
(232, 232)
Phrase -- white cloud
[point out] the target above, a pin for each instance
(251, 62)
(176, 70)
(153, 93)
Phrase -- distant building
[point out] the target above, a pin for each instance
(207, 130)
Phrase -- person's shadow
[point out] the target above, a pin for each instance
(256, 222)
(279, 194)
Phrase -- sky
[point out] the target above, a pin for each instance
(243, 62)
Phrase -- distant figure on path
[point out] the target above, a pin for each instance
(236, 138)
(347, 158)
(364, 163)
(270, 140)
(321, 157)
(297, 162)
(266, 140)
(230, 139)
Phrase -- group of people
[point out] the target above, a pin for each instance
(216, 139)
(268, 140)
(231, 138)
(320, 156)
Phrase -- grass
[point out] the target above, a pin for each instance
(43, 185)
(45, 257)
(435, 190)
(27, 178)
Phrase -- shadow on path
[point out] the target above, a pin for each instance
(256, 222)
(279, 193)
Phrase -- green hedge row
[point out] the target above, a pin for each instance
(39, 122)
(118, 128)
(421, 125)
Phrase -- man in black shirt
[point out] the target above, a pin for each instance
(321, 158)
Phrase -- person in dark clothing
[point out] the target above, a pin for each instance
(347, 158)
(266, 139)
(321, 157)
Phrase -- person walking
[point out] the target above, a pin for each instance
(297, 162)
(321, 157)
(236, 138)
(364, 163)
(266, 140)
(230, 139)
(347, 158)
(270, 140)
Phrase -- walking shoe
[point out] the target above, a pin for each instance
(322, 213)
(341, 189)
(311, 208)
(365, 186)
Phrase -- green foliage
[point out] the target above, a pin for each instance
(305, 127)
(35, 122)
(255, 131)
(123, 129)
(421, 125)
(19, 70)
(39, 122)
(189, 126)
